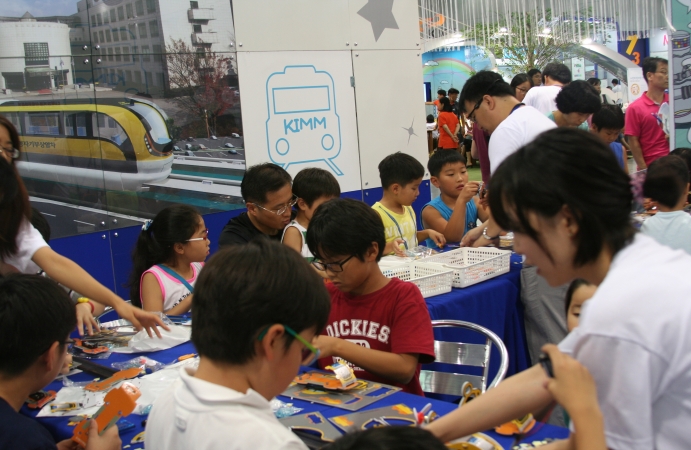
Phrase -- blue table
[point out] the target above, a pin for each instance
(494, 304)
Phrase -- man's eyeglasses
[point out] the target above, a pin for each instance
(333, 267)
(13, 152)
(309, 354)
(204, 238)
(282, 210)
(471, 115)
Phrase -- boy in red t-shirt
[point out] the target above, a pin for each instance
(381, 326)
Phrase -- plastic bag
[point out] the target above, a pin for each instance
(420, 252)
(282, 409)
(141, 362)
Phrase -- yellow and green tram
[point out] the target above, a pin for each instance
(113, 145)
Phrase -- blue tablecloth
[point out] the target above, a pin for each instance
(494, 304)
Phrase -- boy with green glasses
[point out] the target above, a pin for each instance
(381, 326)
(257, 307)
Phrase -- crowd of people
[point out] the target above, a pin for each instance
(297, 278)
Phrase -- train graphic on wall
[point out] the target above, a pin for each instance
(112, 144)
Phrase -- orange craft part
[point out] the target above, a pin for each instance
(343, 421)
(40, 399)
(117, 377)
(326, 381)
(119, 403)
(511, 428)
(403, 409)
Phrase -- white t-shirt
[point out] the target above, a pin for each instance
(193, 413)
(672, 229)
(305, 252)
(543, 98)
(634, 337)
(521, 127)
(29, 240)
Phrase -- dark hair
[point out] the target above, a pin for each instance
(594, 81)
(566, 167)
(245, 288)
(650, 65)
(440, 158)
(558, 72)
(519, 80)
(34, 313)
(573, 287)
(399, 168)
(609, 117)
(533, 71)
(445, 104)
(261, 179)
(485, 82)
(430, 118)
(453, 91)
(313, 183)
(388, 438)
(685, 154)
(40, 223)
(12, 131)
(615, 81)
(172, 225)
(14, 207)
(342, 227)
(666, 180)
(441, 92)
(578, 96)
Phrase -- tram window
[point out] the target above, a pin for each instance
(79, 120)
(109, 129)
(14, 118)
(43, 124)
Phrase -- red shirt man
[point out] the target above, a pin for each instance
(644, 130)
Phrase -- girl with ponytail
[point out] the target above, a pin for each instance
(169, 254)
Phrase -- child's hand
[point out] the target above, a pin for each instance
(396, 247)
(471, 236)
(109, 440)
(572, 386)
(140, 318)
(326, 345)
(66, 364)
(84, 317)
(469, 191)
(437, 237)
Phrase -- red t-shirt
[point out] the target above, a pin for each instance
(393, 319)
(642, 122)
(450, 120)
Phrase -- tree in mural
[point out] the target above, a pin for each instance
(525, 40)
(199, 82)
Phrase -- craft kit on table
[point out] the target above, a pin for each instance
(431, 279)
(310, 387)
(473, 265)
(395, 415)
(313, 422)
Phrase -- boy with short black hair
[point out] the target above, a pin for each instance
(312, 187)
(32, 356)
(607, 123)
(401, 175)
(458, 208)
(381, 326)
(256, 309)
(389, 438)
(667, 183)
(266, 190)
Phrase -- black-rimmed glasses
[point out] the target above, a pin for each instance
(333, 267)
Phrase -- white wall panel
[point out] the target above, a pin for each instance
(389, 104)
(298, 110)
(384, 24)
(272, 25)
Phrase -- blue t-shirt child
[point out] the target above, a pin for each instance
(618, 150)
(445, 211)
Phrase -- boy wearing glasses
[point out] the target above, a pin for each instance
(32, 356)
(381, 326)
(268, 195)
(256, 309)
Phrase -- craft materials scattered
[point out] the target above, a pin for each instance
(469, 392)
(93, 368)
(104, 385)
(138, 438)
(517, 426)
(39, 399)
(477, 441)
(389, 415)
(63, 407)
(315, 423)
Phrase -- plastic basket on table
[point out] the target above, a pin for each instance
(431, 279)
(473, 265)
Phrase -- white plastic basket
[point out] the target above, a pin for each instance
(473, 265)
(431, 279)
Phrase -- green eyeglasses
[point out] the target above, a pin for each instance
(309, 354)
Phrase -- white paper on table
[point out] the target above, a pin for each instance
(141, 342)
(153, 385)
(90, 401)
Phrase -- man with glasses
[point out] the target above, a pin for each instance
(489, 102)
(267, 191)
(644, 125)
